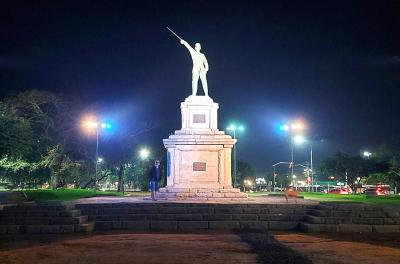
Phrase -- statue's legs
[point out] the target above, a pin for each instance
(204, 82)
(195, 80)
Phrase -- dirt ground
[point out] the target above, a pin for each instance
(345, 248)
(135, 248)
(201, 248)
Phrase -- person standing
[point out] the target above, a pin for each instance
(155, 176)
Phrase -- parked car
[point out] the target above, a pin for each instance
(341, 190)
(377, 190)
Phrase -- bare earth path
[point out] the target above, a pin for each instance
(137, 248)
(339, 249)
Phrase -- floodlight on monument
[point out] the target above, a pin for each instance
(100, 160)
(144, 153)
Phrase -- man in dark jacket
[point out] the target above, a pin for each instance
(155, 176)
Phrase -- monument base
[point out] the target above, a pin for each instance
(199, 155)
(200, 193)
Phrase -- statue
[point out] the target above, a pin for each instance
(200, 65)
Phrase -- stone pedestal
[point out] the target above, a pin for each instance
(199, 155)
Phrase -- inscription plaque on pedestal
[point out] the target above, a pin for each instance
(199, 166)
(199, 118)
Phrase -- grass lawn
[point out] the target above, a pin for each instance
(65, 194)
(361, 198)
(137, 194)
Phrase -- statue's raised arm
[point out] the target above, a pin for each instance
(200, 65)
(183, 42)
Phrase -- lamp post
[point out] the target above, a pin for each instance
(234, 128)
(311, 172)
(273, 166)
(294, 129)
(89, 124)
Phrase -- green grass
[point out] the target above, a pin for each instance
(138, 194)
(65, 194)
(359, 198)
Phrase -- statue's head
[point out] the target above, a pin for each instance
(197, 47)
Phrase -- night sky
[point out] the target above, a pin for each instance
(336, 64)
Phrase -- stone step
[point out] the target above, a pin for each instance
(98, 206)
(85, 227)
(201, 195)
(194, 225)
(38, 207)
(349, 220)
(12, 220)
(199, 217)
(12, 197)
(348, 228)
(36, 229)
(327, 220)
(352, 214)
(42, 213)
(189, 210)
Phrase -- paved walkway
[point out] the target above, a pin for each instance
(252, 200)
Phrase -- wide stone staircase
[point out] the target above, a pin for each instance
(56, 217)
(330, 217)
(195, 216)
(35, 218)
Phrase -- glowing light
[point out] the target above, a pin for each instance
(92, 124)
(284, 128)
(100, 160)
(299, 139)
(231, 127)
(367, 154)
(89, 124)
(297, 126)
(106, 125)
(144, 153)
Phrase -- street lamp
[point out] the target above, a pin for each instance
(298, 140)
(233, 128)
(295, 129)
(367, 154)
(274, 170)
(144, 153)
(91, 124)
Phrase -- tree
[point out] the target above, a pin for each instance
(344, 167)
(245, 171)
(16, 135)
(40, 127)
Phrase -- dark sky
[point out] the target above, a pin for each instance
(335, 64)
